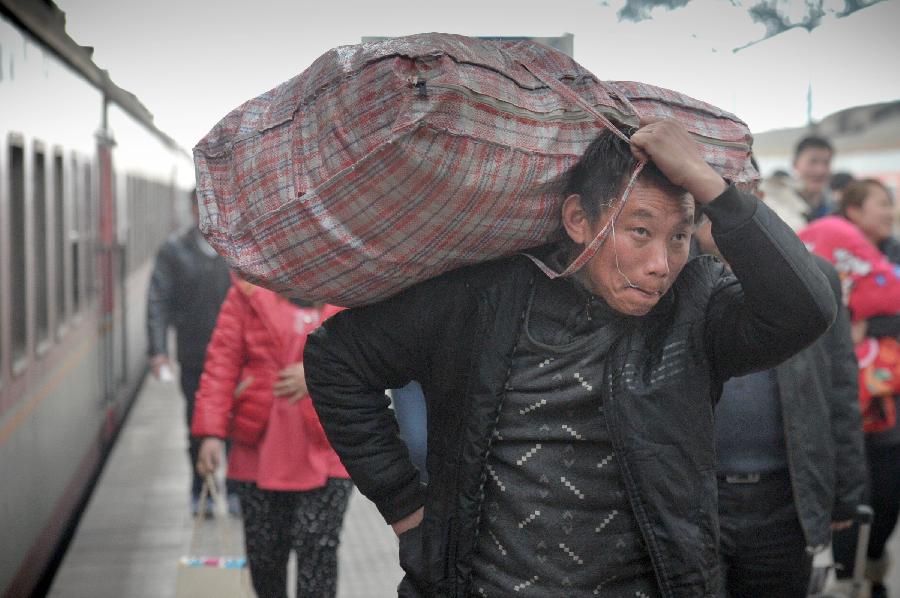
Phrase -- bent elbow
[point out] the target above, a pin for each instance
(822, 312)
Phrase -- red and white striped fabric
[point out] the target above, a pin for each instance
(387, 163)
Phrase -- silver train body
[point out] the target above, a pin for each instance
(89, 188)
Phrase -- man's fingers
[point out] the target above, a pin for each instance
(285, 388)
(639, 154)
(293, 369)
(648, 119)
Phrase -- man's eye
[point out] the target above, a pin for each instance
(643, 232)
(680, 237)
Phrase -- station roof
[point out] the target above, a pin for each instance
(47, 24)
(868, 128)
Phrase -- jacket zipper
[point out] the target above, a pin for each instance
(490, 434)
(607, 402)
(452, 539)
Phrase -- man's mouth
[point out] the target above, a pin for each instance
(648, 293)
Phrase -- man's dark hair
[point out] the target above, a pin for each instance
(840, 180)
(603, 171)
(812, 142)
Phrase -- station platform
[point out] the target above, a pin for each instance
(137, 524)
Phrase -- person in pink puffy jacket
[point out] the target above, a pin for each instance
(292, 487)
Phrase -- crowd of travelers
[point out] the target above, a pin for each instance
(688, 415)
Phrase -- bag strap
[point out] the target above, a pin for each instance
(594, 246)
(617, 204)
(226, 540)
(565, 91)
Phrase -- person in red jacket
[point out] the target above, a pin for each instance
(292, 487)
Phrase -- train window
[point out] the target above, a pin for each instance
(18, 299)
(39, 198)
(89, 234)
(131, 245)
(74, 239)
(59, 239)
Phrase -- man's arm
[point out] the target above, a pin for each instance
(351, 360)
(843, 398)
(779, 301)
(160, 299)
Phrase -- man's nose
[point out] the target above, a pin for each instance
(657, 263)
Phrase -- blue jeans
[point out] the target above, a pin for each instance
(411, 414)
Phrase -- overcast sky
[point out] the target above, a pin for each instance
(192, 61)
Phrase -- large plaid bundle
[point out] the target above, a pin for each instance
(387, 163)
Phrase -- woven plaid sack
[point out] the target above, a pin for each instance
(387, 163)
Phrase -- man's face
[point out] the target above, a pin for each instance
(813, 167)
(638, 264)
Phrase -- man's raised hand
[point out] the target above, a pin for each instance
(671, 148)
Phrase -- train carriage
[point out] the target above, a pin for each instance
(89, 188)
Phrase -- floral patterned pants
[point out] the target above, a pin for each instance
(308, 522)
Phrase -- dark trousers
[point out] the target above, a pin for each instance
(884, 473)
(762, 549)
(308, 522)
(884, 498)
(190, 382)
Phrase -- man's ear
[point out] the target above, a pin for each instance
(576, 221)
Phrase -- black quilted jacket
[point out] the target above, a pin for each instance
(186, 291)
(455, 335)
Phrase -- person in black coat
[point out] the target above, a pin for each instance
(790, 459)
(187, 288)
(570, 420)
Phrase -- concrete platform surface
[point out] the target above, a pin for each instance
(137, 524)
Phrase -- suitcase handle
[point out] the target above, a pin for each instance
(864, 514)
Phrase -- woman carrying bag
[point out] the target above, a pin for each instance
(292, 486)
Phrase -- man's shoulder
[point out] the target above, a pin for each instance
(173, 242)
(180, 243)
(831, 274)
(492, 273)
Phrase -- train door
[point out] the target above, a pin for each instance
(123, 226)
(105, 259)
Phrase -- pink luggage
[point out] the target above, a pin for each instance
(387, 163)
